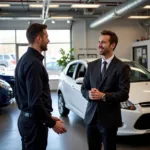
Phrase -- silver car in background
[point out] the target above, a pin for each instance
(7, 60)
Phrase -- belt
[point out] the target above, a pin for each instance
(26, 114)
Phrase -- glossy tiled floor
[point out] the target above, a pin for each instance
(74, 139)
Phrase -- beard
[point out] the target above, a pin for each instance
(43, 47)
(101, 51)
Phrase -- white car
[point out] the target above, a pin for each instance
(7, 60)
(135, 111)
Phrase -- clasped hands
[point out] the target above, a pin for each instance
(58, 127)
(95, 94)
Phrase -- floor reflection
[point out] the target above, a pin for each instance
(73, 139)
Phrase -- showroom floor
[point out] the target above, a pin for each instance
(74, 139)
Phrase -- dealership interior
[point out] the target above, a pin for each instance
(74, 26)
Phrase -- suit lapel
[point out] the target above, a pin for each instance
(98, 72)
(109, 70)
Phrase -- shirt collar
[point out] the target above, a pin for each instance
(36, 53)
(108, 60)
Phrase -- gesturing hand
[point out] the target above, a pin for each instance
(59, 128)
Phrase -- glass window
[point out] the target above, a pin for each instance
(7, 36)
(6, 50)
(6, 57)
(21, 36)
(53, 51)
(55, 36)
(138, 73)
(1, 57)
(52, 55)
(80, 71)
(59, 36)
(71, 70)
(58, 39)
(13, 56)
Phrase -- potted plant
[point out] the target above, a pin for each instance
(65, 57)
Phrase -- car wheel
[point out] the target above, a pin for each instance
(61, 106)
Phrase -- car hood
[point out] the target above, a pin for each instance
(3, 82)
(139, 92)
(8, 73)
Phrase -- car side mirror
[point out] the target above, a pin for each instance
(79, 80)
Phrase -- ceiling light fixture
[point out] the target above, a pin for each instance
(53, 6)
(61, 17)
(53, 21)
(4, 5)
(68, 21)
(85, 6)
(40, 6)
(20, 18)
(35, 5)
(139, 17)
(6, 18)
(147, 7)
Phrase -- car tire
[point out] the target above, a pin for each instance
(61, 106)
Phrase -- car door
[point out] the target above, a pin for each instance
(79, 102)
(2, 60)
(68, 83)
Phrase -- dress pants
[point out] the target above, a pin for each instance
(98, 134)
(33, 134)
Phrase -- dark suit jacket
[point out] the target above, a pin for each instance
(115, 85)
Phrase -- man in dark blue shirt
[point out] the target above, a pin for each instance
(32, 93)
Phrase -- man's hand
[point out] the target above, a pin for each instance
(59, 128)
(95, 94)
(56, 119)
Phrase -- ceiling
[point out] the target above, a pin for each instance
(20, 9)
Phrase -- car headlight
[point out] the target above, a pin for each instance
(127, 105)
(4, 86)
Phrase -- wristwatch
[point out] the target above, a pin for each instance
(104, 97)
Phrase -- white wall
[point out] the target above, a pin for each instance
(127, 30)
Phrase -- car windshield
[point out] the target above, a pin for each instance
(138, 72)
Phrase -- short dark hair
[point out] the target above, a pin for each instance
(34, 30)
(113, 36)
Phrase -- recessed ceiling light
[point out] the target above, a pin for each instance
(147, 7)
(36, 5)
(68, 21)
(53, 21)
(6, 18)
(4, 5)
(20, 18)
(53, 6)
(85, 6)
(139, 17)
(41, 5)
(61, 17)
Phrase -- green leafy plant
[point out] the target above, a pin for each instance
(65, 57)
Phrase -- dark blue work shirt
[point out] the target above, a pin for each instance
(32, 90)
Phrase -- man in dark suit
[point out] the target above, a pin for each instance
(106, 84)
